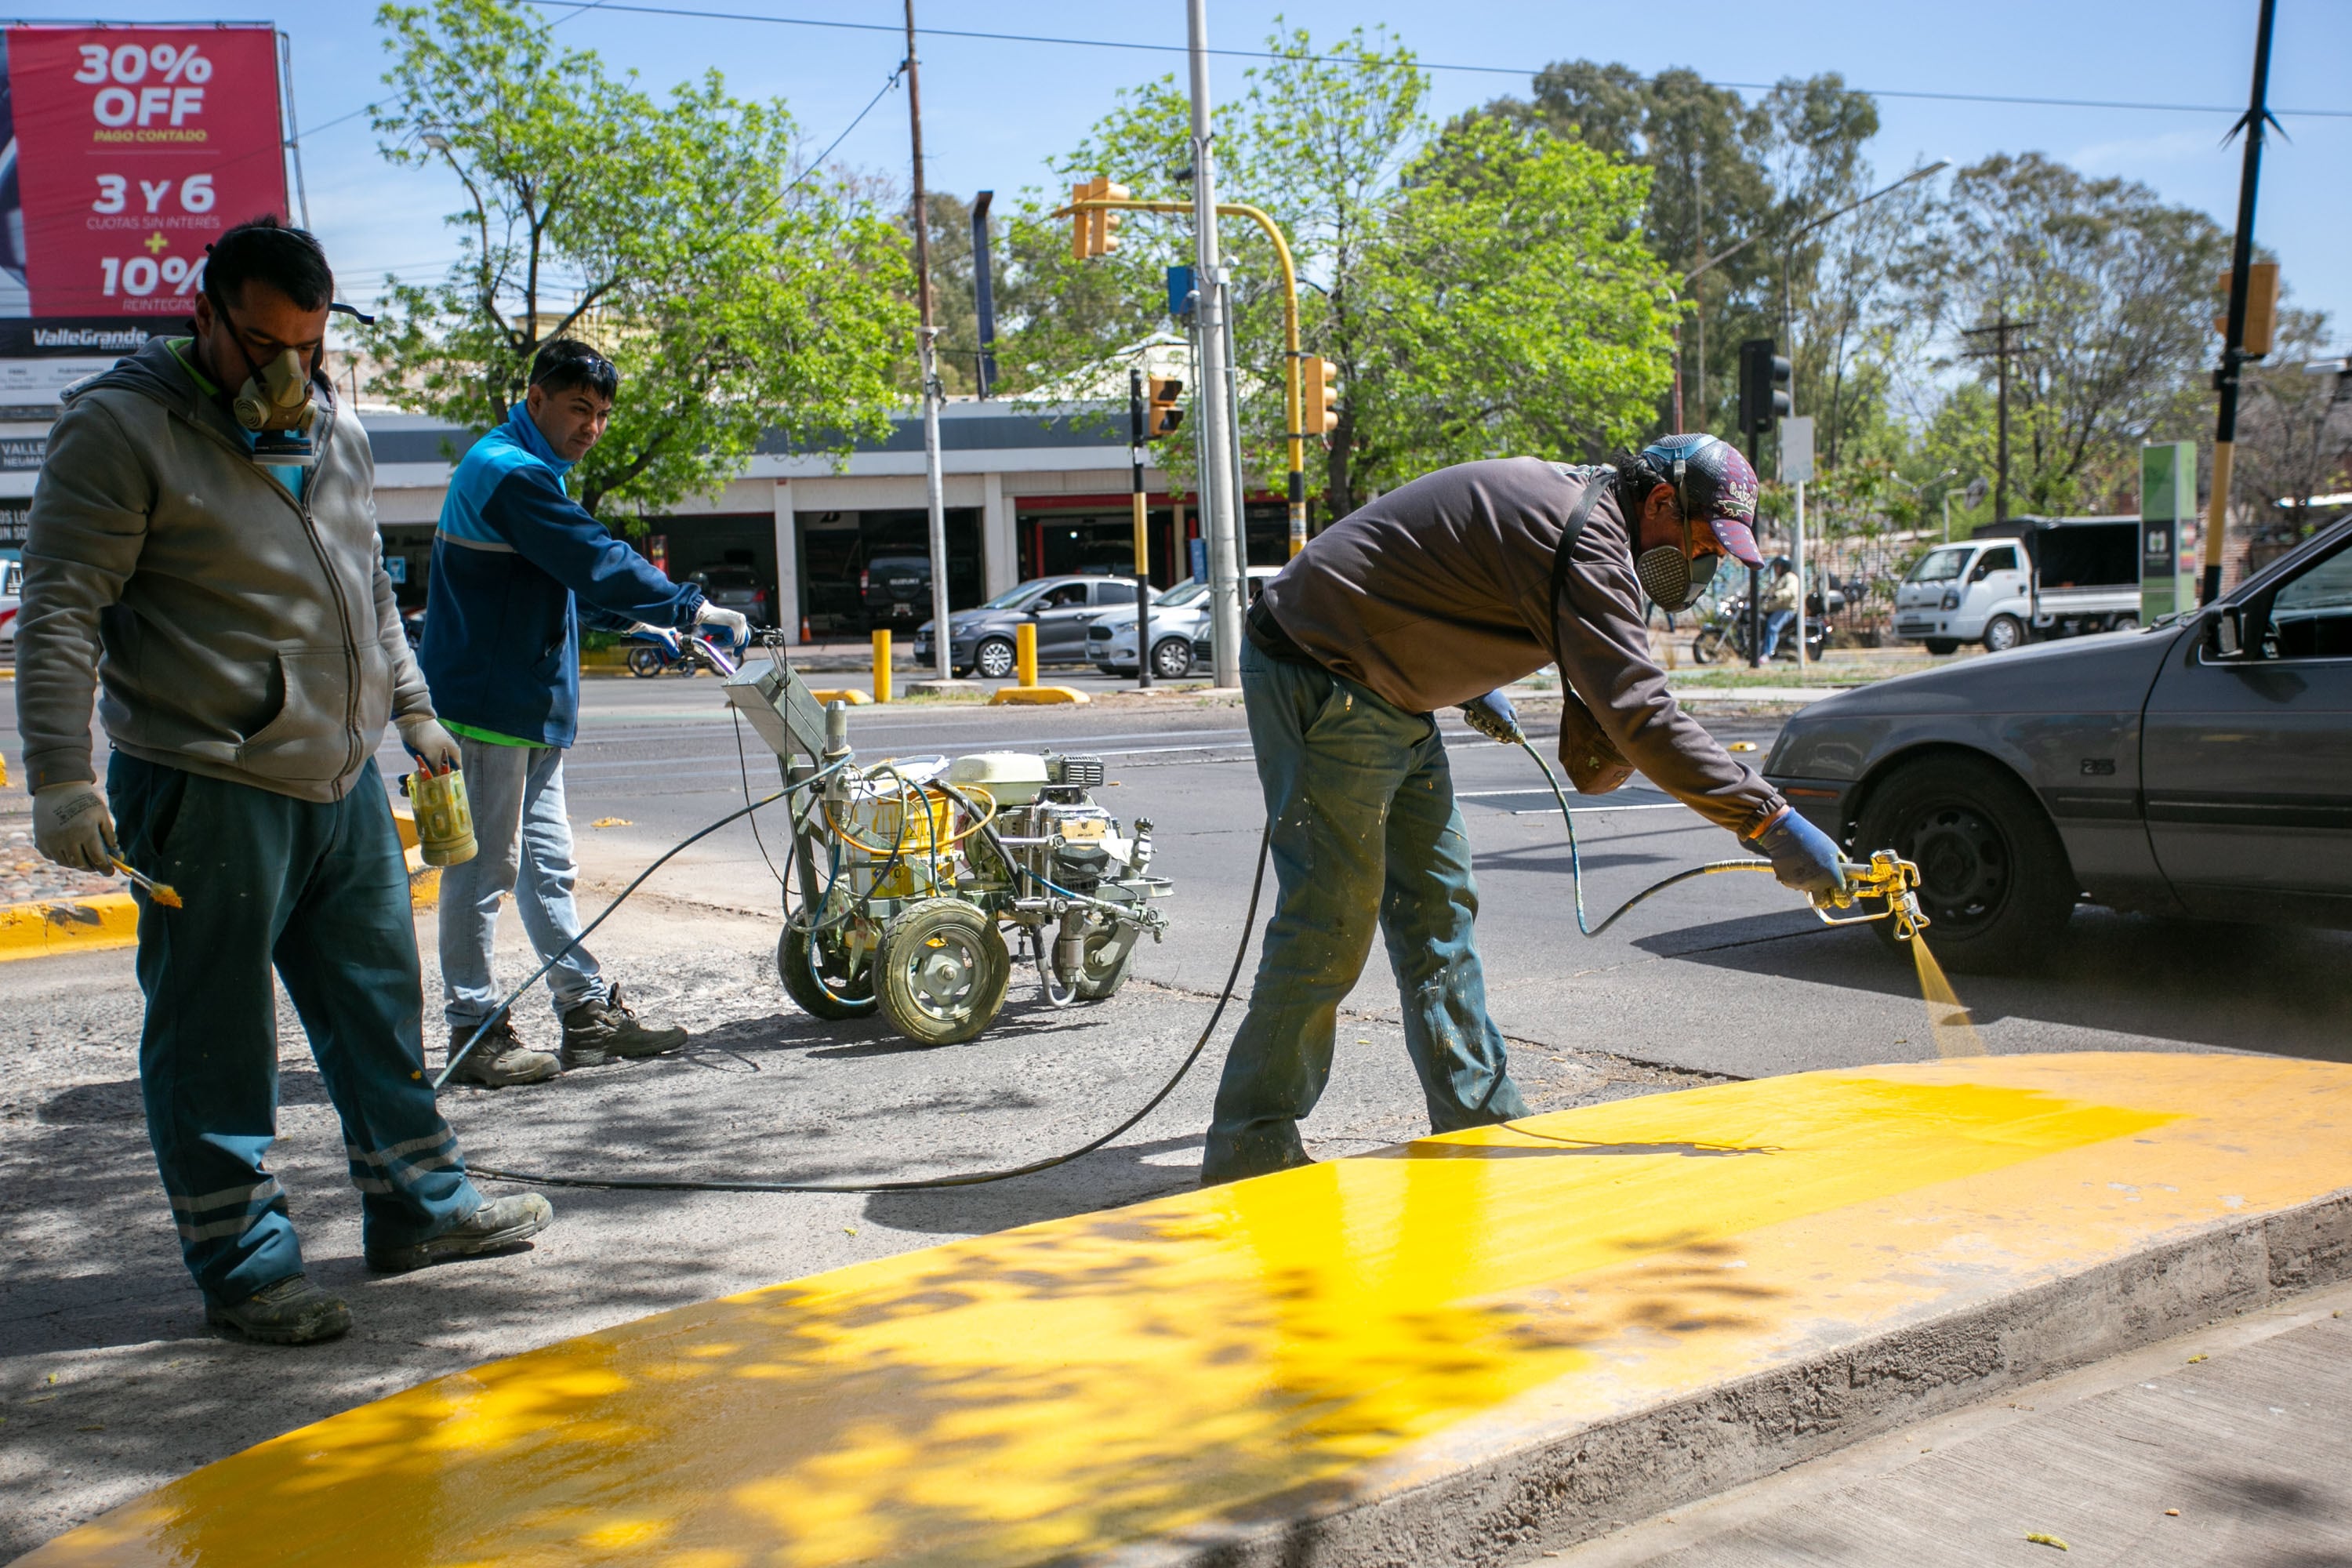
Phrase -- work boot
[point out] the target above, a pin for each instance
(502, 1060)
(499, 1224)
(595, 1033)
(289, 1311)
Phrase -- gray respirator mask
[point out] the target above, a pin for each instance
(1668, 574)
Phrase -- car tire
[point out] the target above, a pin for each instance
(993, 658)
(1171, 658)
(1994, 879)
(1939, 647)
(2002, 633)
(2124, 624)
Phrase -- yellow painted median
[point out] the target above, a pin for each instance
(1036, 696)
(68, 925)
(1190, 1369)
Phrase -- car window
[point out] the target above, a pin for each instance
(1938, 565)
(2311, 618)
(1013, 598)
(1184, 593)
(2003, 558)
(1068, 594)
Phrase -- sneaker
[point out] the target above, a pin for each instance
(499, 1224)
(595, 1033)
(502, 1060)
(289, 1311)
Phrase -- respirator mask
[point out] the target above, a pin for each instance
(275, 403)
(1669, 575)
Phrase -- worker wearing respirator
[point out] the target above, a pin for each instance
(205, 521)
(1436, 596)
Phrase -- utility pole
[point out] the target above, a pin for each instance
(928, 360)
(2000, 353)
(2234, 338)
(1142, 530)
(1222, 516)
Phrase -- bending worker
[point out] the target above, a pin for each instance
(512, 560)
(1436, 596)
(230, 602)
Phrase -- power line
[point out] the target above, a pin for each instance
(610, 6)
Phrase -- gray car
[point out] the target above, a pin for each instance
(981, 639)
(2198, 767)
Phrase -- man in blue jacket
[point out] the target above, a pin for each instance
(516, 563)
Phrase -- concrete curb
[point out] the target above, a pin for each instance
(1560, 1487)
(68, 925)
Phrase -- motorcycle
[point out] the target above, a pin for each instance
(656, 648)
(1725, 635)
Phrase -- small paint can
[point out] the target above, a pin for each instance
(445, 822)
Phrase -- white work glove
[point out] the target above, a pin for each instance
(429, 743)
(739, 629)
(72, 827)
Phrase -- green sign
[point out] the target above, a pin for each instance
(2168, 502)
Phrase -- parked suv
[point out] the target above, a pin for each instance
(895, 588)
(1059, 607)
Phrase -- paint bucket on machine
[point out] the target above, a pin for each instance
(445, 822)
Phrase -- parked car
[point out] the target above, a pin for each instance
(11, 599)
(981, 639)
(2022, 580)
(1180, 619)
(2201, 766)
(736, 587)
(895, 588)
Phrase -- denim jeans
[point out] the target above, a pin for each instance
(1776, 625)
(1365, 833)
(318, 892)
(517, 796)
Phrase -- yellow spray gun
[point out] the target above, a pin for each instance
(1886, 876)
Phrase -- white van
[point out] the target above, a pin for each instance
(2035, 577)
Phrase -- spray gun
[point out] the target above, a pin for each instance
(1886, 876)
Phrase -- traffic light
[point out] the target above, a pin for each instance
(1763, 387)
(1093, 231)
(1162, 416)
(1319, 397)
(2261, 307)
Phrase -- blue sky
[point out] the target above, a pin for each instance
(995, 111)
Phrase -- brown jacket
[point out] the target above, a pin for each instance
(1440, 592)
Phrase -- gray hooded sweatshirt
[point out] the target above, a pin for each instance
(233, 629)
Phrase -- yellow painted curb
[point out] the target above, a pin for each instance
(849, 694)
(1035, 696)
(1672, 1289)
(68, 925)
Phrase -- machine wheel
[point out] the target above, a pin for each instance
(1171, 658)
(1939, 647)
(993, 658)
(644, 662)
(1993, 876)
(851, 998)
(943, 971)
(2002, 633)
(1708, 646)
(1108, 958)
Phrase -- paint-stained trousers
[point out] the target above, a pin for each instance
(320, 893)
(1365, 833)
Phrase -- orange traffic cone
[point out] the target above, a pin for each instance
(804, 629)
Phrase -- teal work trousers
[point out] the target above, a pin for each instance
(1365, 834)
(318, 893)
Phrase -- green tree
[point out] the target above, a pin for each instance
(736, 293)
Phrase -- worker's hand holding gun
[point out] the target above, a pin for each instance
(72, 827)
(1803, 857)
(1491, 717)
(732, 622)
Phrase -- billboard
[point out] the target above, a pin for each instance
(124, 151)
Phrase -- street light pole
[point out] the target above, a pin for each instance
(2233, 337)
(1217, 476)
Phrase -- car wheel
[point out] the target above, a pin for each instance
(2002, 633)
(1994, 879)
(1939, 647)
(993, 658)
(1173, 659)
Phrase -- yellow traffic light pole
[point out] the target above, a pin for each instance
(1291, 400)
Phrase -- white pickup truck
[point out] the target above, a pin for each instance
(2025, 578)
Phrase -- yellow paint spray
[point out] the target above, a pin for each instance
(1955, 1035)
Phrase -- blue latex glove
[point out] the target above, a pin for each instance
(1491, 717)
(1803, 857)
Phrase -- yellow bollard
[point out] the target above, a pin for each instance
(882, 664)
(1024, 655)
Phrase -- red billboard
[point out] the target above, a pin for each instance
(129, 149)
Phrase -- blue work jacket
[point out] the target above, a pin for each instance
(511, 555)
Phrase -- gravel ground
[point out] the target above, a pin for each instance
(111, 1384)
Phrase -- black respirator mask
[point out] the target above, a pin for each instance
(1670, 574)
